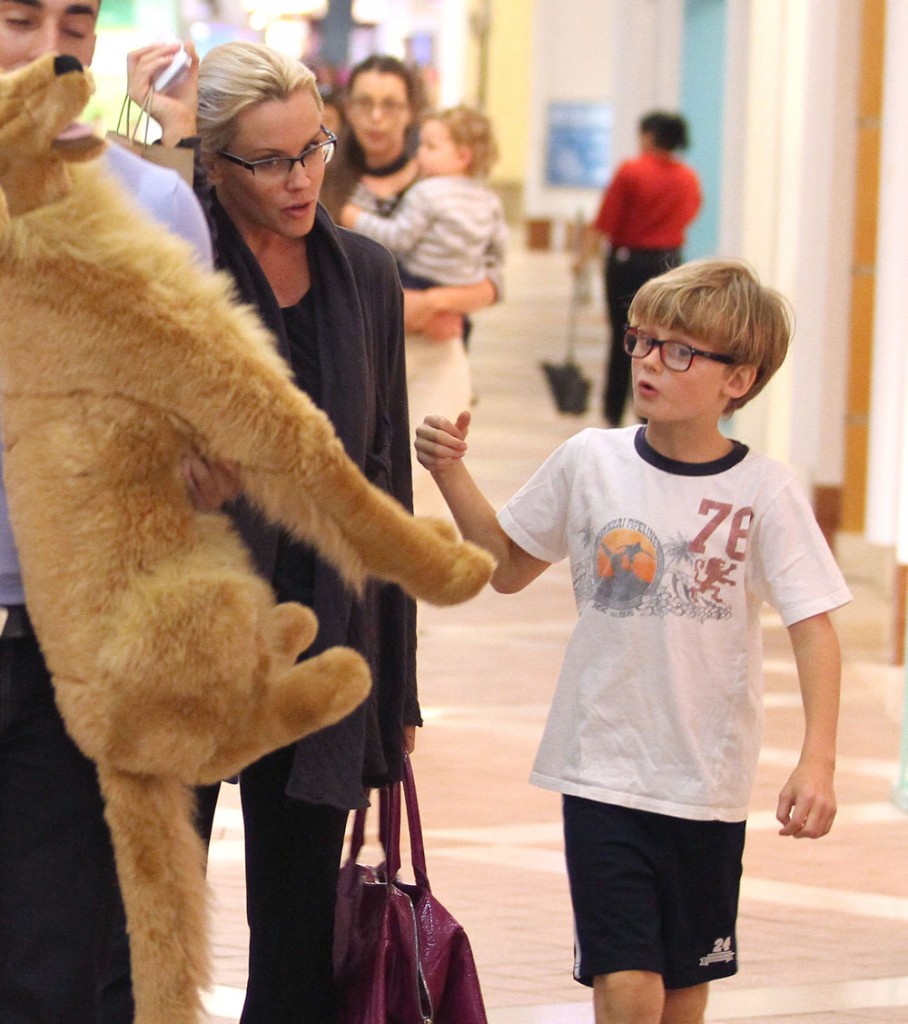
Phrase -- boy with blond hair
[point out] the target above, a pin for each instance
(677, 535)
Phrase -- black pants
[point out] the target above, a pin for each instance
(293, 854)
(57, 878)
(626, 270)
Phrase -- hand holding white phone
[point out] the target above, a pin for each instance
(175, 71)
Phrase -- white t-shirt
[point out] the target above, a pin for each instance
(659, 701)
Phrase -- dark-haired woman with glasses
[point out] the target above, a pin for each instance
(332, 299)
(383, 104)
(375, 166)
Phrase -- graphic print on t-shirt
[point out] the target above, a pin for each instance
(628, 564)
(631, 571)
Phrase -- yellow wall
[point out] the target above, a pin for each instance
(508, 82)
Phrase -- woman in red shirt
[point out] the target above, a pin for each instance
(644, 213)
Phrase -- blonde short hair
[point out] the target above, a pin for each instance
(236, 76)
(471, 130)
(721, 302)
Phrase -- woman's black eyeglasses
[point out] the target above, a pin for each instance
(282, 166)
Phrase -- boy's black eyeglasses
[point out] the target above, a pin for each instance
(676, 355)
(282, 166)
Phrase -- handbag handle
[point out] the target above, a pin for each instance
(391, 808)
(389, 827)
(417, 847)
(144, 111)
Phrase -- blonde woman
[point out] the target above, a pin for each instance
(333, 301)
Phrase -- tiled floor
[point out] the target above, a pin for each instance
(823, 926)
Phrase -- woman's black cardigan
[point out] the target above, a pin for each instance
(359, 320)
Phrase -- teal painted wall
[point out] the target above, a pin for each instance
(117, 14)
(702, 103)
(155, 16)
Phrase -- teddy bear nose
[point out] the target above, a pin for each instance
(64, 64)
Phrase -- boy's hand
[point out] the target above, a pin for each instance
(441, 444)
(807, 803)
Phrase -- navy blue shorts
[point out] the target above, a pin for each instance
(652, 893)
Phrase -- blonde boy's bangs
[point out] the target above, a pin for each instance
(723, 304)
(689, 310)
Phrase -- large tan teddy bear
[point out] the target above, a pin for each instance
(171, 663)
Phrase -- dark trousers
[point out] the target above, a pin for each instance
(293, 854)
(57, 877)
(626, 270)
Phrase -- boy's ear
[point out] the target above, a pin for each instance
(465, 158)
(740, 380)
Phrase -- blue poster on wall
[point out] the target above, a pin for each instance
(578, 144)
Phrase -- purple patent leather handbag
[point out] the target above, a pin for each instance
(399, 956)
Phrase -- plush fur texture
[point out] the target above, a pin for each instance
(172, 664)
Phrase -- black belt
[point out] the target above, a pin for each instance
(622, 253)
(18, 625)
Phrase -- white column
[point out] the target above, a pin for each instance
(796, 228)
(760, 184)
(734, 126)
(647, 40)
(887, 485)
(571, 61)
(816, 228)
(453, 33)
(626, 52)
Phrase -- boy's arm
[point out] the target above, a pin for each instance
(403, 229)
(807, 803)
(440, 448)
(497, 249)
